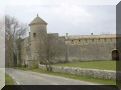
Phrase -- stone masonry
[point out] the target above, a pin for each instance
(40, 46)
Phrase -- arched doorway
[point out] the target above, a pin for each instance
(115, 55)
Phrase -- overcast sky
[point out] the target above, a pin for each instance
(76, 17)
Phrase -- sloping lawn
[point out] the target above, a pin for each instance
(103, 65)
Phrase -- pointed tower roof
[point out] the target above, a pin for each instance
(38, 20)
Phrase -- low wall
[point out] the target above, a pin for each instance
(95, 73)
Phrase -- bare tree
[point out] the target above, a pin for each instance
(43, 54)
(13, 32)
(55, 50)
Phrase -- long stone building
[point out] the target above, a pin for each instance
(41, 46)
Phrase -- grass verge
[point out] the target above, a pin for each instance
(77, 77)
(103, 65)
(9, 80)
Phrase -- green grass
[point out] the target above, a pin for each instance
(103, 65)
(77, 77)
(9, 80)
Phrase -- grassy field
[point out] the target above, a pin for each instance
(9, 80)
(103, 65)
(82, 78)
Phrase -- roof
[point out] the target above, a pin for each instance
(38, 20)
(93, 36)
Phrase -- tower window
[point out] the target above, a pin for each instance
(34, 34)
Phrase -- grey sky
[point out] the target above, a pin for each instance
(75, 17)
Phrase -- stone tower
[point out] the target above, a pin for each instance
(38, 37)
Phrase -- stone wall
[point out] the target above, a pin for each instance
(60, 49)
(95, 73)
(25, 51)
(91, 47)
(82, 49)
(91, 52)
(56, 48)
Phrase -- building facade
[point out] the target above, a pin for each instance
(41, 46)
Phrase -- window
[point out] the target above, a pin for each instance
(34, 34)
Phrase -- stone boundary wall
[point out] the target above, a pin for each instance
(95, 73)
